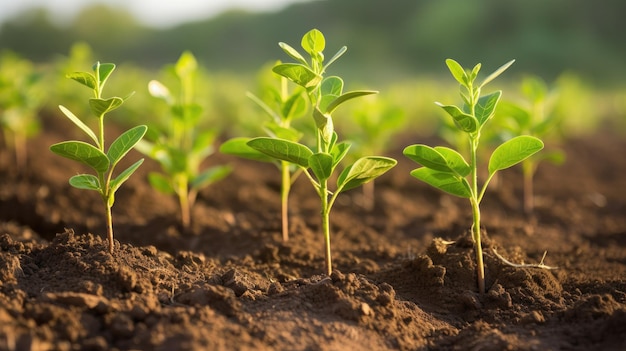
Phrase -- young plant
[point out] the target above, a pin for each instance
(535, 116)
(283, 106)
(95, 155)
(21, 93)
(447, 170)
(319, 163)
(181, 147)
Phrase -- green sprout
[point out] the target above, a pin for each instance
(181, 147)
(95, 155)
(320, 162)
(534, 116)
(446, 169)
(21, 93)
(283, 106)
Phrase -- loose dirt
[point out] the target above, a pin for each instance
(404, 275)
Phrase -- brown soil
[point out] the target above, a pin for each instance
(229, 283)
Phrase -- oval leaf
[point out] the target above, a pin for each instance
(82, 152)
(122, 177)
(103, 71)
(124, 143)
(427, 157)
(85, 181)
(322, 165)
(84, 78)
(513, 152)
(486, 106)
(457, 71)
(99, 107)
(313, 42)
(445, 181)
(283, 150)
(455, 160)
(463, 121)
(298, 73)
(364, 170)
(292, 52)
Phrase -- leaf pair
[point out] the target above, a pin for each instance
(447, 170)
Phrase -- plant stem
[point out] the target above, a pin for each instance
(183, 200)
(284, 197)
(323, 189)
(475, 201)
(109, 219)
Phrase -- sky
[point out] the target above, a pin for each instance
(151, 12)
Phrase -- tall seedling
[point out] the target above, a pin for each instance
(181, 147)
(283, 107)
(447, 170)
(95, 155)
(320, 162)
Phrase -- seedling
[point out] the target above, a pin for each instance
(282, 108)
(20, 98)
(535, 116)
(320, 162)
(95, 155)
(446, 169)
(181, 147)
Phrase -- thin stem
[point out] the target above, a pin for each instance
(183, 200)
(109, 219)
(325, 225)
(284, 197)
(475, 201)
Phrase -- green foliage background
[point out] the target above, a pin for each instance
(386, 39)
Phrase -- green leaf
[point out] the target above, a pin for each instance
(103, 70)
(84, 78)
(463, 121)
(445, 181)
(322, 165)
(497, 72)
(339, 151)
(124, 143)
(210, 176)
(455, 160)
(513, 152)
(348, 96)
(275, 117)
(313, 42)
(332, 85)
(298, 73)
(486, 106)
(85, 181)
(283, 150)
(82, 152)
(457, 71)
(122, 177)
(79, 123)
(294, 106)
(440, 159)
(186, 65)
(239, 147)
(364, 170)
(292, 52)
(99, 107)
(161, 183)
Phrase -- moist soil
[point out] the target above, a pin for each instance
(404, 274)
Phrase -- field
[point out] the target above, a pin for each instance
(404, 276)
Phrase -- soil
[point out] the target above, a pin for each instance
(404, 274)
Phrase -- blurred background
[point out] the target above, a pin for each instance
(386, 39)
(575, 47)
